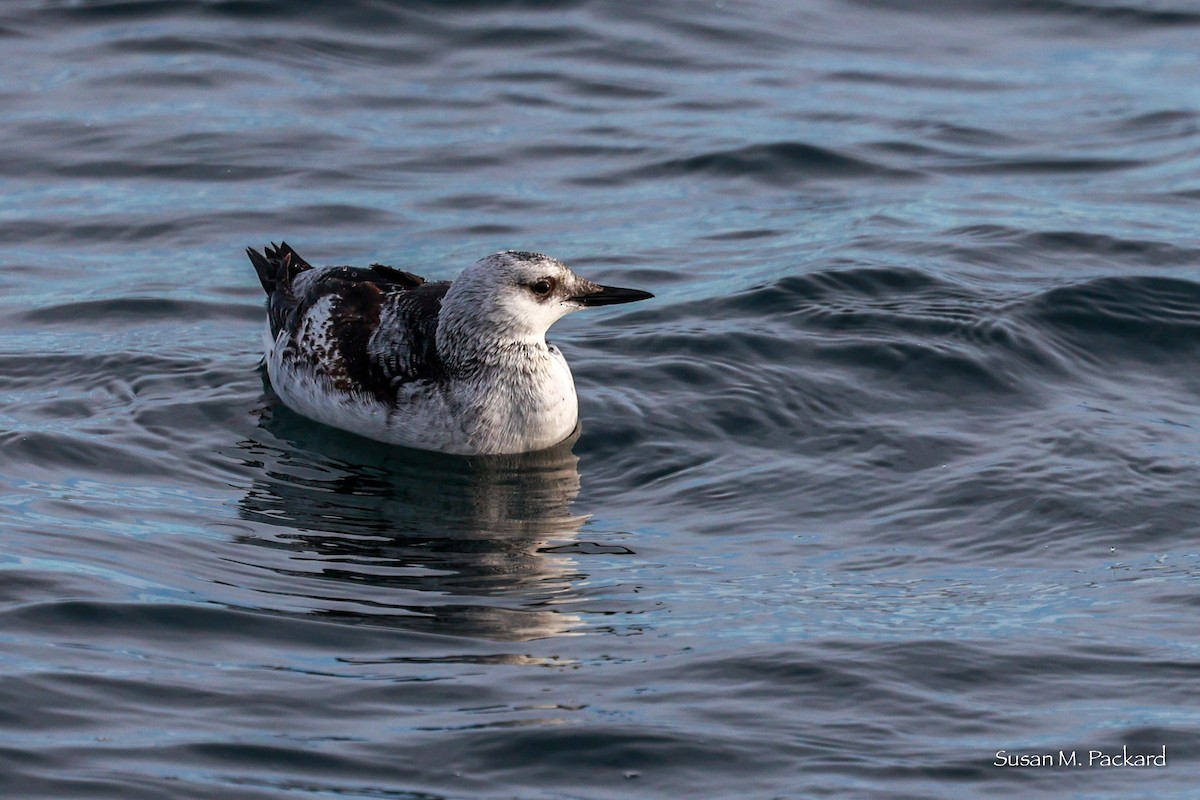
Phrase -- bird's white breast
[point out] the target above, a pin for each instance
(527, 405)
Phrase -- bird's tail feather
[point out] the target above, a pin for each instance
(277, 266)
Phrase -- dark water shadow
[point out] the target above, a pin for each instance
(365, 532)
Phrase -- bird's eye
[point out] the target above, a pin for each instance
(542, 287)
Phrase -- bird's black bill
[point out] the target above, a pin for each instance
(611, 295)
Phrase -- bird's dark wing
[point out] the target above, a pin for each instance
(365, 329)
(279, 266)
(403, 347)
(370, 337)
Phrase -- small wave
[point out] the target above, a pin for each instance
(1117, 15)
(901, 306)
(46, 451)
(743, 234)
(1123, 15)
(1146, 318)
(1158, 124)
(954, 84)
(140, 309)
(117, 231)
(777, 164)
(781, 162)
(159, 622)
(790, 293)
(964, 135)
(356, 13)
(1094, 247)
(1040, 166)
(22, 371)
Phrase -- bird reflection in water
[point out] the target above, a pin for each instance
(449, 544)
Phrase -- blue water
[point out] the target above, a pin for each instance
(897, 471)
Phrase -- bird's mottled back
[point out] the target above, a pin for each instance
(366, 329)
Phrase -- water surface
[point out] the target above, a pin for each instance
(896, 472)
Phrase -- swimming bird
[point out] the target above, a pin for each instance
(457, 367)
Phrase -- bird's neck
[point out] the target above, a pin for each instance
(469, 344)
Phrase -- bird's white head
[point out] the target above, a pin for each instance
(515, 297)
